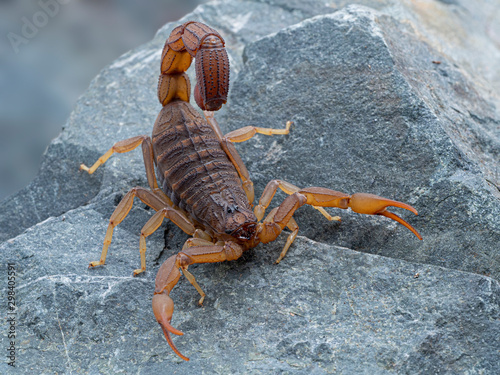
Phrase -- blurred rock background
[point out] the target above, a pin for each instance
(46, 66)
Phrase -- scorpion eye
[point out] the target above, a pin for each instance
(231, 209)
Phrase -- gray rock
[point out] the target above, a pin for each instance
(373, 111)
(323, 309)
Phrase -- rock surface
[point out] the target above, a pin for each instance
(383, 101)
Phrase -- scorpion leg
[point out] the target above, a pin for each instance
(122, 210)
(292, 225)
(198, 233)
(188, 275)
(315, 196)
(120, 147)
(148, 156)
(265, 200)
(193, 242)
(154, 223)
(169, 274)
(241, 135)
(247, 132)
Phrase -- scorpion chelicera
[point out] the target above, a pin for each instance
(205, 188)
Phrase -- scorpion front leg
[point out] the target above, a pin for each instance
(169, 274)
(280, 217)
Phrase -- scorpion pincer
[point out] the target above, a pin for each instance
(203, 185)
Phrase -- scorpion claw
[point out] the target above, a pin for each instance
(163, 308)
(371, 204)
(395, 217)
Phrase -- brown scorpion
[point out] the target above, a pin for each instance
(205, 188)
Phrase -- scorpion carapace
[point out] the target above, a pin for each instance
(205, 188)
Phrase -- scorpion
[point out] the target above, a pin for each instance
(202, 184)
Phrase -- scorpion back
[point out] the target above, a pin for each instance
(195, 172)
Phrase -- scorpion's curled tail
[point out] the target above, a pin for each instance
(194, 39)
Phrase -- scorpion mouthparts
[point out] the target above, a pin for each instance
(245, 232)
